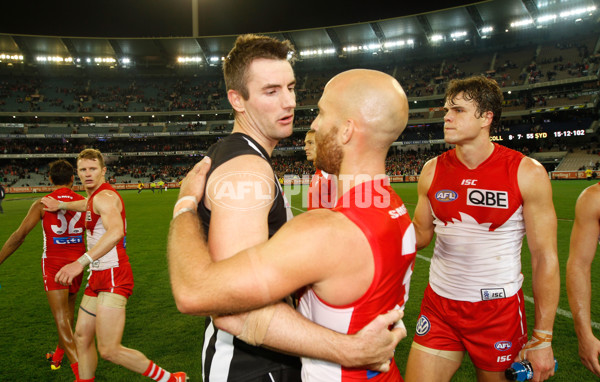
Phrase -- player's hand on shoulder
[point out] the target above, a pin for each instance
(50, 204)
(195, 180)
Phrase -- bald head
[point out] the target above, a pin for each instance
(373, 99)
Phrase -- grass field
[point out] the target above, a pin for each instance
(172, 340)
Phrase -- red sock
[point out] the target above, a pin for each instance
(157, 373)
(58, 354)
(75, 368)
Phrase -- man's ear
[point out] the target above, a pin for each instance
(489, 117)
(348, 130)
(236, 100)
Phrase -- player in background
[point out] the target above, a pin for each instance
(355, 259)
(2, 195)
(584, 241)
(101, 315)
(63, 243)
(480, 199)
(321, 191)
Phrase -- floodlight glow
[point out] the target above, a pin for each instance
(577, 11)
(190, 59)
(126, 60)
(394, 44)
(521, 23)
(437, 37)
(546, 18)
(11, 57)
(487, 29)
(458, 34)
(53, 59)
(317, 52)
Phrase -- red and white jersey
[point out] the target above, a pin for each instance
(95, 230)
(381, 215)
(321, 192)
(479, 226)
(63, 230)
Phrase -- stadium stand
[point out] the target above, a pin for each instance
(157, 118)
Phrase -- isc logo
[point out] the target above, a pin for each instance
(503, 345)
(446, 196)
(487, 198)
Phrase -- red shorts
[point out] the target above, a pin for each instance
(117, 280)
(492, 332)
(49, 270)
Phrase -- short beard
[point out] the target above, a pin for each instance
(329, 153)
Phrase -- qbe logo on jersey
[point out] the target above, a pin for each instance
(487, 198)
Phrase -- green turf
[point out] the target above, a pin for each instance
(172, 340)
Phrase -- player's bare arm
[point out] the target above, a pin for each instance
(583, 244)
(423, 219)
(540, 227)
(108, 205)
(52, 204)
(375, 334)
(33, 217)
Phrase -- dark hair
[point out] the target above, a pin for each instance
(247, 48)
(483, 91)
(61, 172)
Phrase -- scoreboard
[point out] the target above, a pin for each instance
(537, 136)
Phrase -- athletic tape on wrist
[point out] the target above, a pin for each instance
(256, 325)
(62, 205)
(184, 198)
(85, 260)
(540, 339)
(183, 210)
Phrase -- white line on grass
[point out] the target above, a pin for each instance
(559, 311)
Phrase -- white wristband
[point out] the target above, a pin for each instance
(184, 198)
(62, 205)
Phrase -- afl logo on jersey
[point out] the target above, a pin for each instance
(503, 345)
(446, 196)
(423, 326)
